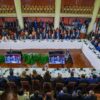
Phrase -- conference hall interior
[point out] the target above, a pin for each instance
(49, 49)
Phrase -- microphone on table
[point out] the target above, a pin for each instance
(61, 40)
(40, 37)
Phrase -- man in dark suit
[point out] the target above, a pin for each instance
(77, 95)
(91, 96)
(71, 78)
(36, 96)
(35, 25)
(13, 78)
(83, 79)
(63, 95)
(3, 83)
(59, 79)
(98, 78)
(62, 25)
(93, 79)
(58, 34)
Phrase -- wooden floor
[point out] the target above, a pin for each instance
(79, 59)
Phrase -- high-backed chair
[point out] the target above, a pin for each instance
(36, 85)
(47, 87)
(71, 86)
(12, 86)
(59, 86)
(92, 86)
(82, 86)
(25, 85)
(98, 87)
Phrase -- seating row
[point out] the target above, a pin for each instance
(49, 86)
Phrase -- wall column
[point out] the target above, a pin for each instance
(57, 13)
(94, 16)
(19, 13)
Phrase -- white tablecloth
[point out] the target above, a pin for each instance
(92, 55)
(65, 44)
(29, 44)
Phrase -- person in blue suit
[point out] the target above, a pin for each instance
(3, 83)
(82, 79)
(98, 47)
(57, 34)
(14, 78)
(92, 80)
(72, 78)
(35, 25)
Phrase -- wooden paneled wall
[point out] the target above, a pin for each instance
(7, 2)
(38, 2)
(82, 3)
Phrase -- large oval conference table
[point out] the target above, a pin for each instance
(87, 48)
